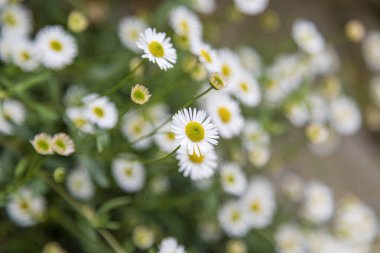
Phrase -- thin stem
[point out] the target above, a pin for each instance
(122, 82)
(108, 237)
(188, 103)
(29, 83)
(163, 158)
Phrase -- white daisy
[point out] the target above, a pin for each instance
(100, 111)
(26, 208)
(63, 144)
(230, 64)
(170, 245)
(185, 23)
(233, 219)
(12, 112)
(258, 156)
(204, 6)
(225, 114)
(318, 107)
(78, 117)
(289, 239)
(251, 60)
(297, 112)
(246, 89)
(80, 185)
(195, 166)
(194, 131)
(165, 139)
(129, 175)
(371, 50)
(307, 37)
(157, 48)
(25, 55)
(207, 56)
(7, 44)
(251, 7)
(134, 126)
(15, 19)
(318, 205)
(232, 179)
(259, 202)
(345, 115)
(129, 30)
(56, 47)
(43, 144)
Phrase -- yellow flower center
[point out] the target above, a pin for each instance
(195, 131)
(79, 122)
(99, 112)
(156, 49)
(170, 135)
(60, 143)
(43, 145)
(137, 129)
(256, 207)
(10, 19)
(128, 172)
(224, 114)
(139, 95)
(226, 70)
(244, 87)
(196, 159)
(206, 56)
(56, 45)
(24, 205)
(235, 216)
(25, 56)
(185, 26)
(230, 179)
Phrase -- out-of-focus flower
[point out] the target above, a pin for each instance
(16, 20)
(233, 219)
(43, 144)
(289, 239)
(194, 131)
(251, 7)
(134, 126)
(195, 166)
(140, 94)
(345, 115)
(63, 144)
(80, 185)
(207, 56)
(204, 6)
(355, 30)
(130, 176)
(143, 237)
(12, 112)
(307, 37)
(77, 21)
(100, 111)
(25, 55)
(371, 50)
(218, 81)
(170, 245)
(317, 133)
(232, 179)
(236, 246)
(157, 48)
(129, 30)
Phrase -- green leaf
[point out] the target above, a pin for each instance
(21, 167)
(113, 203)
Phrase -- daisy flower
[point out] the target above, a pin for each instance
(129, 30)
(170, 245)
(371, 50)
(100, 111)
(194, 131)
(15, 19)
(218, 81)
(225, 114)
(289, 239)
(251, 60)
(165, 139)
(204, 6)
(78, 117)
(130, 176)
(254, 135)
(232, 179)
(80, 185)
(12, 112)
(25, 56)
(258, 155)
(26, 208)
(43, 144)
(7, 44)
(345, 116)
(63, 144)
(157, 48)
(317, 133)
(307, 37)
(246, 89)
(233, 219)
(195, 166)
(297, 112)
(77, 22)
(229, 63)
(207, 56)
(251, 7)
(185, 23)
(134, 126)
(259, 202)
(143, 237)
(140, 94)
(318, 205)
(56, 47)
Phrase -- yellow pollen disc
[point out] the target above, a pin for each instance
(235, 216)
(244, 87)
(24, 205)
(56, 45)
(195, 131)
(230, 179)
(196, 159)
(61, 144)
(226, 70)
(128, 172)
(206, 56)
(79, 122)
(25, 56)
(99, 112)
(137, 129)
(256, 207)
(224, 114)
(10, 20)
(43, 144)
(185, 26)
(156, 49)
(170, 135)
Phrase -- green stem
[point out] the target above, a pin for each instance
(188, 103)
(122, 82)
(164, 157)
(108, 237)
(29, 83)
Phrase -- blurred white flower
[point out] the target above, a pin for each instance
(307, 37)
(232, 179)
(129, 30)
(157, 48)
(129, 175)
(12, 112)
(25, 55)
(15, 19)
(204, 6)
(251, 7)
(251, 60)
(78, 117)
(345, 115)
(371, 50)
(79, 184)
(170, 245)
(134, 126)
(289, 239)
(185, 23)
(233, 219)
(100, 111)
(246, 89)
(207, 56)
(56, 47)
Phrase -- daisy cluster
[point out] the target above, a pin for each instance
(147, 164)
